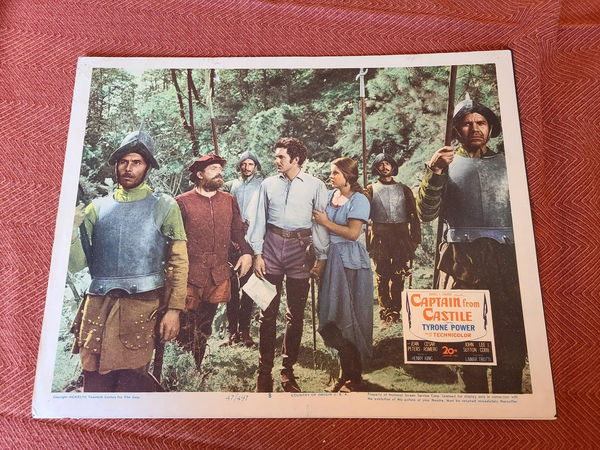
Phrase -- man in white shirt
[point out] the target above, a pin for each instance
(281, 235)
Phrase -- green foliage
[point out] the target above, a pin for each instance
(405, 116)
(67, 368)
(254, 108)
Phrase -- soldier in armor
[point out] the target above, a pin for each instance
(239, 308)
(212, 221)
(468, 190)
(133, 242)
(395, 235)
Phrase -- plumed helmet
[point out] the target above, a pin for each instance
(248, 155)
(203, 162)
(384, 157)
(135, 142)
(468, 106)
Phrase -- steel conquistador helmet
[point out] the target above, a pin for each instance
(248, 155)
(136, 142)
(384, 157)
(468, 106)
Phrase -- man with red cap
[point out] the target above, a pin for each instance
(212, 221)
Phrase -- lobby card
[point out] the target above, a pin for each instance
(415, 352)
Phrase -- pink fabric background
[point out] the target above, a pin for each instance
(556, 47)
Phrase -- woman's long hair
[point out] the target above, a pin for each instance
(349, 169)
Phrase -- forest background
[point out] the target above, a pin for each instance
(249, 110)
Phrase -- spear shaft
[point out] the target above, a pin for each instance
(363, 114)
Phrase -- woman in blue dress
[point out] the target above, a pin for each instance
(346, 288)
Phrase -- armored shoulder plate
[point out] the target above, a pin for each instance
(477, 202)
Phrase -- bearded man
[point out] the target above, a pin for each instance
(212, 221)
(239, 308)
(395, 235)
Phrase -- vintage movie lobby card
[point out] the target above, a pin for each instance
(380, 204)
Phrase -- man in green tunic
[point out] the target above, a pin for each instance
(468, 190)
(136, 252)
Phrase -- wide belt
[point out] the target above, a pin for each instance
(503, 235)
(289, 234)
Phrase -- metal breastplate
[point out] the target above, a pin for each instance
(477, 202)
(388, 205)
(128, 249)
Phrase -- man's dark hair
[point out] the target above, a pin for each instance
(295, 148)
